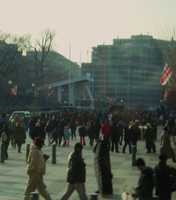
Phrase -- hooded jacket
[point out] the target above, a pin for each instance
(36, 162)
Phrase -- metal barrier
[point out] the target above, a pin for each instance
(27, 151)
(2, 154)
(54, 154)
(134, 151)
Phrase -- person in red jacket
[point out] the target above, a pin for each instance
(106, 131)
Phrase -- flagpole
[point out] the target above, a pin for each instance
(69, 76)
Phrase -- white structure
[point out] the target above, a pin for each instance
(74, 91)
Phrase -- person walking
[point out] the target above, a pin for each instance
(38, 131)
(36, 170)
(5, 134)
(127, 139)
(150, 139)
(76, 175)
(102, 165)
(165, 178)
(82, 134)
(19, 135)
(144, 190)
(90, 132)
(115, 137)
(96, 129)
(73, 129)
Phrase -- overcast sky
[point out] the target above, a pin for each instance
(86, 23)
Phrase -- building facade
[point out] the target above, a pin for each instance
(128, 71)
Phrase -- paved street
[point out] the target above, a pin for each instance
(13, 173)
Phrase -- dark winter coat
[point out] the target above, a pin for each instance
(76, 169)
(149, 135)
(127, 135)
(38, 131)
(96, 129)
(145, 186)
(115, 133)
(19, 134)
(134, 132)
(103, 168)
(82, 131)
(164, 177)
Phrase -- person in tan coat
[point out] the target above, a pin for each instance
(36, 170)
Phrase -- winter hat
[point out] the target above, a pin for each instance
(38, 141)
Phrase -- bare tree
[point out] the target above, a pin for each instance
(41, 51)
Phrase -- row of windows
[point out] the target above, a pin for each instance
(123, 85)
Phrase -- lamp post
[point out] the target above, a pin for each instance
(33, 88)
(33, 92)
(9, 92)
(10, 82)
(121, 101)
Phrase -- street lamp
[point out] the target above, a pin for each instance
(121, 101)
(49, 87)
(10, 82)
(33, 89)
(33, 85)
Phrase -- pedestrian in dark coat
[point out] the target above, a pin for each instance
(127, 139)
(165, 178)
(73, 129)
(32, 123)
(38, 130)
(76, 175)
(150, 139)
(90, 132)
(60, 130)
(134, 132)
(5, 134)
(82, 134)
(115, 137)
(19, 135)
(144, 190)
(121, 125)
(96, 129)
(103, 168)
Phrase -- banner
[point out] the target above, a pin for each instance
(13, 90)
(166, 75)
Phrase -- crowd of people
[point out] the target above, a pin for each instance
(106, 132)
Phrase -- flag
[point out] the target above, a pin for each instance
(166, 94)
(13, 90)
(51, 92)
(166, 74)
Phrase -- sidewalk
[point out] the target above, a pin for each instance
(13, 173)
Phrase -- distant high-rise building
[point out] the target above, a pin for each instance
(128, 70)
